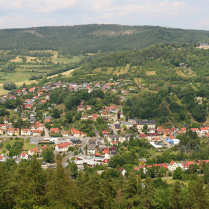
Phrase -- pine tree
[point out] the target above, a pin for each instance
(197, 195)
(60, 189)
(149, 193)
(177, 195)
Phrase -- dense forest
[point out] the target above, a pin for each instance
(27, 185)
(81, 39)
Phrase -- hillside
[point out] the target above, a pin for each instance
(82, 39)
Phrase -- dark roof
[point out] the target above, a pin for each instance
(127, 134)
(117, 126)
(114, 136)
(148, 122)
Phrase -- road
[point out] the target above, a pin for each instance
(84, 143)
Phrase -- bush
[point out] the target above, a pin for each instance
(9, 85)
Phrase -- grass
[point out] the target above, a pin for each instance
(67, 73)
(27, 146)
(17, 59)
(172, 181)
(11, 142)
(138, 81)
(150, 72)
(3, 91)
(180, 73)
(66, 60)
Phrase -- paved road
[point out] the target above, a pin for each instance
(84, 143)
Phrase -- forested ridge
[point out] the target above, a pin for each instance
(91, 38)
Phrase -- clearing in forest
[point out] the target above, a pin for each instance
(150, 72)
(180, 73)
(138, 81)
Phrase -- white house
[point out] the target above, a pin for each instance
(172, 165)
(91, 149)
(63, 147)
(24, 156)
(34, 151)
(25, 132)
(122, 170)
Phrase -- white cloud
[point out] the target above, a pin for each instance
(36, 5)
(22, 22)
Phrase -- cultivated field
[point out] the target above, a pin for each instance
(150, 72)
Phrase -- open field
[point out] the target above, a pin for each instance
(123, 70)
(171, 181)
(138, 81)
(17, 59)
(67, 60)
(180, 73)
(150, 72)
(67, 73)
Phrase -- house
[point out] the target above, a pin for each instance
(149, 123)
(65, 134)
(186, 164)
(43, 101)
(13, 131)
(54, 131)
(161, 165)
(106, 151)
(44, 148)
(110, 109)
(36, 132)
(77, 133)
(195, 129)
(141, 135)
(24, 156)
(126, 137)
(24, 118)
(25, 132)
(39, 125)
(114, 137)
(204, 130)
(80, 108)
(63, 147)
(97, 85)
(172, 165)
(40, 94)
(91, 149)
(28, 106)
(34, 151)
(183, 130)
(32, 89)
(105, 133)
(117, 127)
(3, 126)
(122, 170)
(141, 167)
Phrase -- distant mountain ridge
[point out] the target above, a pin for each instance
(91, 38)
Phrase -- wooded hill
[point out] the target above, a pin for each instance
(93, 38)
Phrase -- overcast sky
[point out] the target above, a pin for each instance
(188, 14)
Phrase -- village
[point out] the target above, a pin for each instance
(90, 150)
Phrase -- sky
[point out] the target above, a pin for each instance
(187, 14)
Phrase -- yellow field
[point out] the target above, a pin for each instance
(150, 72)
(138, 81)
(64, 73)
(123, 70)
(17, 59)
(180, 73)
(3, 91)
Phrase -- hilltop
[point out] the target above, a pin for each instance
(81, 39)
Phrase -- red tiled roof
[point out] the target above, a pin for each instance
(106, 151)
(37, 131)
(161, 165)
